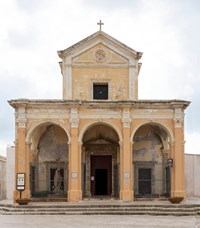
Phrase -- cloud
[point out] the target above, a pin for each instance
(32, 32)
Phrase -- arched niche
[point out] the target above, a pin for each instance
(150, 153)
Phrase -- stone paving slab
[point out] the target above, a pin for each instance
(104, 221)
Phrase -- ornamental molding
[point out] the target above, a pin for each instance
(126, 124)
(74, 119)
(100, 55)
(22, 123)
(126, 119)
(178, 123)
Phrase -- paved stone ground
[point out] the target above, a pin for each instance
(105, 221)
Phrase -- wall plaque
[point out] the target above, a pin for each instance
(20, 181)
(126, 175)
(74, 175)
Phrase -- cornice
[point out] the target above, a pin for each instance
(102, 35)
(140, 104)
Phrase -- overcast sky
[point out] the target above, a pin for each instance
(166, 31)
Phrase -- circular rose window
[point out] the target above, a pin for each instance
(100, 55)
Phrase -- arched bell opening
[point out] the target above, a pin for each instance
(150, 153)
(49, 162)
(100, 161)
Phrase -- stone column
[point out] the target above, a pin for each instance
(172, 170)
(74, 192)
(165, 156)
(126, 192)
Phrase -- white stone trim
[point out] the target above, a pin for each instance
(168, 130)
(87, 126)
(74, 118)
(37, 124)
(132, 82)
(67, 78)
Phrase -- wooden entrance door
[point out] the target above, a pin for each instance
(101, 175)
(144, 178)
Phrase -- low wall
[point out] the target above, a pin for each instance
(192, 175)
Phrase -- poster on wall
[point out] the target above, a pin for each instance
(20, 181)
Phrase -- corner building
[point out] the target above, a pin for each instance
(100, 139)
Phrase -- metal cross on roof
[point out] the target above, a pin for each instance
(100, 24)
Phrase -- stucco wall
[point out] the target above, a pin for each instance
(2, 177)
(10, 172)
(192, 177)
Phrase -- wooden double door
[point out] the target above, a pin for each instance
(101, 175)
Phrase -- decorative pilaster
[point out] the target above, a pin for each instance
(74, 193)
(67, 78)
(179, 188)
(133, 80)
(22, 149)
(126, 192)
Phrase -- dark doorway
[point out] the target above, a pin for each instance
(101, 175)
(101, 183)
(144, 179)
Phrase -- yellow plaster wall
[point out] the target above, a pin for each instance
(83, 79)
(86, 70)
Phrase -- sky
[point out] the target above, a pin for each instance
(166, 31)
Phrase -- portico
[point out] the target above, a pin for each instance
(100, 139)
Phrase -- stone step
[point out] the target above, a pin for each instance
(101, 213)
(101, 209)
(98, 209)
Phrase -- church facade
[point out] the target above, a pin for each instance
(100, 139)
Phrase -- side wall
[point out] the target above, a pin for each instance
(10, 172)
(2, 177)
(192, 177)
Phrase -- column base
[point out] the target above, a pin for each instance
(178, 193)
(74, 195)
(126, 195)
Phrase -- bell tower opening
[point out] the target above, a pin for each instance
(100, 91)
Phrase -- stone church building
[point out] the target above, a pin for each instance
(100, 139)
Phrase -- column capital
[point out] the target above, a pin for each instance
(22, 122)
(126, 118)
(178, 123)
(74, 119)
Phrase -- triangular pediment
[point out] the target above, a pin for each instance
(81, 50)
(100, 54)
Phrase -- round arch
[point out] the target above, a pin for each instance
(36, 125)
(87, 126)
(168, 130)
